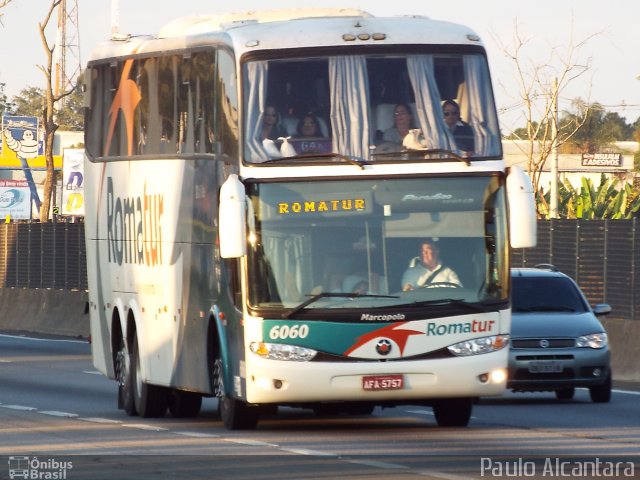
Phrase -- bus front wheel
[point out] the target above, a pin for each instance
(453, 412)
(235, 414)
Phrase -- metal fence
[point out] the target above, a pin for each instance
(603, 256)
(43, 255)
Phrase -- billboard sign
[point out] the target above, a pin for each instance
(73, 181)
(15, 200)
(601, 159)
(23, 144)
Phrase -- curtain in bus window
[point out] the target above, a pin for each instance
(427, 95)
(150, 122)
(257, 79)
(349, 102)
(482, 115)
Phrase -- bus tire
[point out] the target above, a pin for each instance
(184, 404)
(150, 400)
(453, 412)
(235, 414)
(123, 377)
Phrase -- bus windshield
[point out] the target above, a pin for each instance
(369, 107)
(358, 243)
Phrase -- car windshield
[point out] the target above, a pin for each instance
(546, 294)
(369, 107)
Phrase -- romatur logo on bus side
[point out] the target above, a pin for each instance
(134, 233)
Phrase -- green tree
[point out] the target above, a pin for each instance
(5, 105)
(29, 102)
(70, 115)
(599, 128)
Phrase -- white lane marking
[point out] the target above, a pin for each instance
(304, 451)
(443, 475)
(2, 360)
(100, 420)
(421, 412)
(628, 392)
(249, 442)
(55, 413)
(376, 464)
(19, 407)
(23, 337)
(92, 372)
(197, 434)
(142, 426)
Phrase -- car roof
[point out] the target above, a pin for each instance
(542, 271)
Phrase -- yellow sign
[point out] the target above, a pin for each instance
(22, 146)
(321, 206)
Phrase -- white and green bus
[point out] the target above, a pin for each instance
(235, 252)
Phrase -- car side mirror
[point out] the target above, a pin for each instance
(602, 309)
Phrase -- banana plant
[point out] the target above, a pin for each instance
(591, 203)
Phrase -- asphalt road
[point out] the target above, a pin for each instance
(58, 416)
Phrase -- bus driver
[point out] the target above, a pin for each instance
(427, 270)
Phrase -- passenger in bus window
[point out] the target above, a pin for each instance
(427, 270)
(402, 123)
(461, 131)
(310, 138)
(272, 129)
(309, 126)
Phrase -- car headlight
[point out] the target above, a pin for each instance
(478, 346)
(278, 351)
(595, 340)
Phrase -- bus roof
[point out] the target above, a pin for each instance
(293, 28)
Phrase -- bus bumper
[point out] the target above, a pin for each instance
(271, 381)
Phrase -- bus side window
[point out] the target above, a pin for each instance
(226, 107)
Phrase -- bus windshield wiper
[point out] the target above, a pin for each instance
(449, 301)
(312, 156)
(315, 298)
(424, 154)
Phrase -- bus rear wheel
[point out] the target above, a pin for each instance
(453, 412)
(123, 377)
(149, 400)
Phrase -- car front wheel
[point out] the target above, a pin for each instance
(601, 393)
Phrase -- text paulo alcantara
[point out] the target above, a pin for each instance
(134, 233)
(556, 467)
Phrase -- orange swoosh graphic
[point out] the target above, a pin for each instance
(126, 100)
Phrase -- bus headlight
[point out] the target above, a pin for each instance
(278, 351)
(478, 346)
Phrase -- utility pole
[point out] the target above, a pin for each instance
(553, 203)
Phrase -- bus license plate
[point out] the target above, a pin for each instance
(548, 366)
(382, 382)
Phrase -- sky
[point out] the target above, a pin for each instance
(608, 32)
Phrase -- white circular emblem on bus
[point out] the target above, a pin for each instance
(383, 347)
(544, 343)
